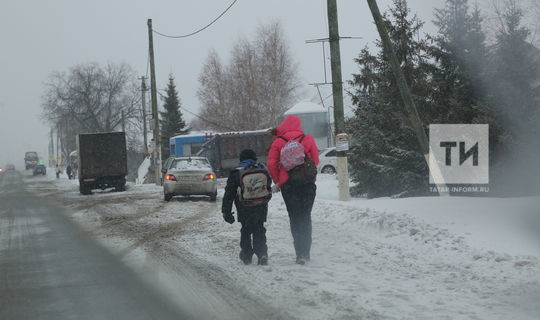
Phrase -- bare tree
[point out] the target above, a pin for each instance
(255, 88)
(90, 98)
(214, 95)
(278, 71)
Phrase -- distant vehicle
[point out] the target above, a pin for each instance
(327, 161)
(223, 149)
(40, 169)
(30, 159)
(186, 176)
(10, 167)
(102, 161)
(1, 171)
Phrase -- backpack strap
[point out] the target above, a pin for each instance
(300, 136)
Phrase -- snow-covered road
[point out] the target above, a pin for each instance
(423, 258)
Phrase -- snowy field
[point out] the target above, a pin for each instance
(416, 258)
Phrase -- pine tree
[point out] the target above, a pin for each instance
(389, 161)
(515, 95)
(515, 91)
(460, 53)
(461, 69)
(172, 122)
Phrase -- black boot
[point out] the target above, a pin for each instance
(246, 258)
(263, 260)
(301, 260)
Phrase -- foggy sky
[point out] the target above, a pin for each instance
(39, 37)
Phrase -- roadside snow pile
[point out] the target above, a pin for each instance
(510, 226)
(142, 172)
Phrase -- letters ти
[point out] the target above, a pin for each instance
(463, 155)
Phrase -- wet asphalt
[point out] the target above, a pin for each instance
(50, 269)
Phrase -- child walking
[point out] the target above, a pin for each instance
(248, 187)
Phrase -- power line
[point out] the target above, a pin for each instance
(201, 29)
(328, 96)
(202, 118)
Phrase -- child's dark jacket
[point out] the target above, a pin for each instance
(231, 195)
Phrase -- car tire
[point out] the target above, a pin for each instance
(120, 187)
(167, 197)
(328, 170)
(213, 197)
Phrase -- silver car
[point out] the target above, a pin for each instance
(185, 176)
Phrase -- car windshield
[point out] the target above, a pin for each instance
(190, 164)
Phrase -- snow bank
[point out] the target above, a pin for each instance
(142, 172)
(506, 225)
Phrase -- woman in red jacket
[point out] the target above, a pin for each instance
(298, 198)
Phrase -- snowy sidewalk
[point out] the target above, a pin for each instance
(417, 258)
(375, 265)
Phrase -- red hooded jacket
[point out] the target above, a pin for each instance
(290, 128)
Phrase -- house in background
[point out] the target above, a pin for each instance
(316, 121)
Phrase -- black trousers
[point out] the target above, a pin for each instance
(299, 201)
(253, 228)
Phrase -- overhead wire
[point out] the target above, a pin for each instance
(189, 35)
(200, 117)
(199, 30)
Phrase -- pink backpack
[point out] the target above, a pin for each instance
(292, 154)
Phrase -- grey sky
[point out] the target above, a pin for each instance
(39, 37)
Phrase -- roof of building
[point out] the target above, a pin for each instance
(305, 107)
(211, 134)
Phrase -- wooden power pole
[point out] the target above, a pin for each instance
(123, 121)
(155, 114)
(143, 101)
(404, 90)
(337, 90)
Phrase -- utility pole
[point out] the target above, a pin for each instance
(58, 159)
(155, 114)
(337, 90)
(51, 149)
(330, 138)
(123, 121)
(404, 90)
(143, 99)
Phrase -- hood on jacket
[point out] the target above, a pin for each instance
(291, 123)
(246, 163)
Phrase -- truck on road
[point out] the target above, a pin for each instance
(224, 148)
(30, 160)
(102, 161)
